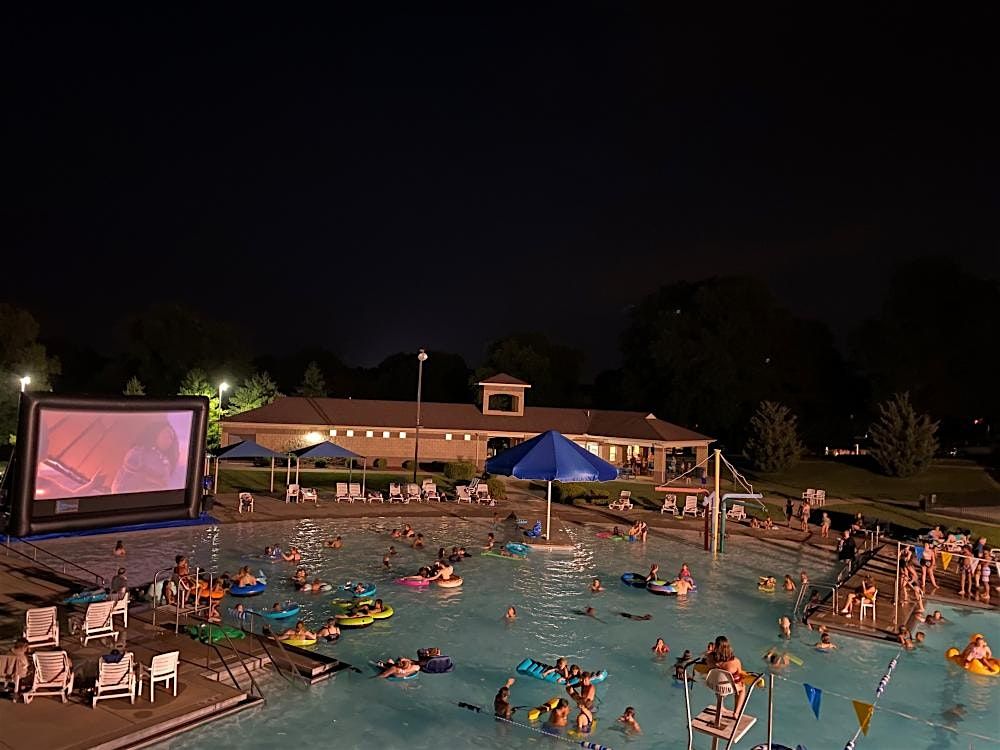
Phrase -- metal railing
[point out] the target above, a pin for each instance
(63, 563)
(799, 610)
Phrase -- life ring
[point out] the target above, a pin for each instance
(354, 621)
(415, 581)
(368, 590)
(214, 633)
(451, 583)
(251, 590)
(300, 642)
(661, 588)
(385, 614)
(345, 605)
(291, 609)
(638, 580)
(984, 667)
(517, 548)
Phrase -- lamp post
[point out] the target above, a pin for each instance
(223, 386)
(421, 358)
(25, 382)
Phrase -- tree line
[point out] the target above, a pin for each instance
(703, 354)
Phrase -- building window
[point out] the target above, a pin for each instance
(350, 433)
(402, 434)
(333, 433)
(447, 436)
(370, 433)
(612, 453)
(385, 434)
(467, 437)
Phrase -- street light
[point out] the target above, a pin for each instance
(25, 382)
(223, 386)
(421, 358)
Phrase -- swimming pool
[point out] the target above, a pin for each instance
(354, 711)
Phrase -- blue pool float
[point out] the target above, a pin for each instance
(517, 549)
(638, 580)
(252, 590)
(369, 589)
(532, 668)
(291, 609)
(379, 666)
(87, 597)
(661, 588)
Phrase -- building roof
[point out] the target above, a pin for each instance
(344, 412)
(502, 378)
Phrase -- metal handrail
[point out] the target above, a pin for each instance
(229, 642)
(833, 587)
(262, 640)
(98, 578)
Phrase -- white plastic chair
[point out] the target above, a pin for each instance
(162, 669)
(97, 622)
(669, 505)
(309, 494)
(690, 506)
(292, 493)
(41, 627)
(819, 498)
(868, 604)
(462, 494)
(246, 502)
(115, 680)
(53, 675)
(121, 608)
(809, 495)
(342, 494)
(736, 513)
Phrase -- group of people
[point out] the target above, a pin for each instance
(583, 693)
(975, 566)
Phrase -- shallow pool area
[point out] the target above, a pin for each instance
(548, 589)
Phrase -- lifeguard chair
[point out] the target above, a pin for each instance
(715, 721)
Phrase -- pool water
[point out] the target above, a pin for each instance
(355, 711)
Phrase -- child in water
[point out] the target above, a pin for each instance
(680, 664)
(660, 648)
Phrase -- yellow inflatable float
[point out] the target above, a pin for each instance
(986, 667)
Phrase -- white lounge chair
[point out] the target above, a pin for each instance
(374, 496)
(292, 493)
(121, 608)
(670, 505)
(41, 627)
(97, 622)
(395, 493)
(431, 492)
(115, 680)
(310, 495)
(162, 669)
(425, 484)
(412, 493)
(624, 502)
(691, 506)
(736, 513)
(473, 485)
(354, 490)
(483, 495)
(462, 494)
(246, 502)
(342, 495)
(53, 675)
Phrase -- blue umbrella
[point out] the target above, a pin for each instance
(552, 457)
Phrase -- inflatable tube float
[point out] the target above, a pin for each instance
(369, 589)
(385, 614)
(532, 668)
(451, 583)
(603, 534)
(252, 590)
(984, 667)
(776, 746)
(380, 665)
(291, 609)
(517, 548)
(347, 604)
(765, 588)
(491, 553)
(638, 580)
(438, 665)
(204, 592)
(308, 588)
(215, 633)
(661, 588)
(353, 621)
(534, 714)
(416, 581)
(87, 597)
(300, 642)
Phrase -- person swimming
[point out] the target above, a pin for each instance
(595, 586)
(511, 614)
(776, 659)
(560, 668)
(825, 644)
(628, 719)
(660, 648)
(786, 626)
(401, 667)
(680, 666)
(654, 573)
(119, 550)
(789, 584)
(330, 631)
(588, 612)
(628, 616)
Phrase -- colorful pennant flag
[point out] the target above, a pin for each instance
(813, 695)
(945, 560)
(864, 712)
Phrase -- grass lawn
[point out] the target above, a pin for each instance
(954, 484)
(259, 480)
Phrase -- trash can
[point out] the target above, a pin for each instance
(207, 501)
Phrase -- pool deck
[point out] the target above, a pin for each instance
(212, 683)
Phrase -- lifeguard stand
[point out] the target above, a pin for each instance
(715, 721)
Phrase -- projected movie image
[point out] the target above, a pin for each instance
(93, 453)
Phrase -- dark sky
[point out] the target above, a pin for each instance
(438, 180)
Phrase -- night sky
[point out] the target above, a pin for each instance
(376, 184)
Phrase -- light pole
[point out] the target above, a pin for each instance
(223, 386)
(421, 358)
(25, 382)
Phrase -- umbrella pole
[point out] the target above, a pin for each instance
(215, 486)
(297, 462)
(272, 473)
(364, 476)
(288, 471)
(548, 512)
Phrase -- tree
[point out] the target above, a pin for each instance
(256, 391)
(21, 355)
(552, 370)
(313, 382)
(446, 378)
(903, 442)
(773, 444)
(134, 387)
(196, 383)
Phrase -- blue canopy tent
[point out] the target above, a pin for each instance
(326, 449)
(552, 457)
(244, 449)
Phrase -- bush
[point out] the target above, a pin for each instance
(319, 463)
(408, 465)
(568, 492)
(498, 488)
(460, 470)
(379, 463)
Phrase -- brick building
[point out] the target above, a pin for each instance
(448, 432)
